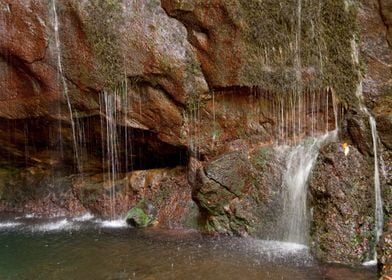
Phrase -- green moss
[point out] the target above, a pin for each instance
(90, 193)
(6, 173)
(138, 218)
(142, 214)
(101, 28)
(327, 28)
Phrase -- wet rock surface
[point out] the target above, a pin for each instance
(342, 199)
(163, 193)
(385, 252)
(196, 84)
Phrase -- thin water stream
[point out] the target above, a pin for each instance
(64, 85)
(377, 189)
(378, 212)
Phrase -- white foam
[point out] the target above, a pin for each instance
(370, 263)
(9, 225)
(55, 226)
(280, 246)
(113, 223)
(83, 218)
(29, 216)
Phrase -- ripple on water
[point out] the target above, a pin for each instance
(64, 224)
(9, 224)
(83, 218)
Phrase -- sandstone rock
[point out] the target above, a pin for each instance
(221, 190)
(342, 192)
(190, 90)
(384, 252)
(386, 11)
(240, 193)
(162, 73)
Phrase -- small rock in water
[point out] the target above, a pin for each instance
(142, 215)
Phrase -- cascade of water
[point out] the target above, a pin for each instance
(214, 133)
(111, 139)
(108, 107)
(64, 84)
(301, 158)
(299, 164)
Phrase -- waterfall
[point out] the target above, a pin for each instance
(301, 155)
(108, 107)
(64, 84)
(299, 164)
(110, 104)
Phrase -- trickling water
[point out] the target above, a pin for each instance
(377, 190)
(299, 164)
(383, 167)
(64, 84)
(300, 114)
(378, 222)
(111, 103)
(110, 143)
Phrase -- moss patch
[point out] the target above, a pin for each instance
(297, 48)
(138, 218)
(140, 215)
(101, 28)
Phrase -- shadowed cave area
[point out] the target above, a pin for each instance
(49, 142)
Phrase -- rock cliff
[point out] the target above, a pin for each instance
(182, 103)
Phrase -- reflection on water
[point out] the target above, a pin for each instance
(86, 249)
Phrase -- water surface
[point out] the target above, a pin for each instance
(87, 248)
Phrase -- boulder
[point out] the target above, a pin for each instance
(342, 203)
(141, 215)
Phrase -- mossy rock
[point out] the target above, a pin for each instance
(136, 217)
(142, 215)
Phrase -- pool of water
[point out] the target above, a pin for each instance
(88, 248)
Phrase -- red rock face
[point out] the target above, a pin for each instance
(35, 114)
(386, 12)
(23, 32)
(215, 34)
(182, 76)
(23, 50)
